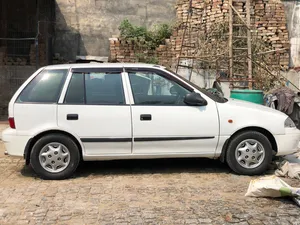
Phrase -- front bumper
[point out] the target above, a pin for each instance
(13, 143)
(288, 142)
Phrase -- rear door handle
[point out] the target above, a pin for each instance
(72, 116)
(145, 117)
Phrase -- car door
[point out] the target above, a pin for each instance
(94, 108)
(162, 123)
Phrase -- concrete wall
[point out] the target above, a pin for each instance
(11, 78)
(292, 12)
(294, 79)
(83, 27)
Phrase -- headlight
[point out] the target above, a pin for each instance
(289, 123)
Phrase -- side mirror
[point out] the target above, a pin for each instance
(195, 99)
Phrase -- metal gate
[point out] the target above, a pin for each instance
(26, 32)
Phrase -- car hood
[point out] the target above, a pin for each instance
(246, 114)
(253, 106)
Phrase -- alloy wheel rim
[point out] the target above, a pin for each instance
(54, 157)
(250, 154)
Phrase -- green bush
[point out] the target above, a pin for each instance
(144, 58)
(150, 39)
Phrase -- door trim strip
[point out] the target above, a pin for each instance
(106, 139)
(170, 138)
(143, 139)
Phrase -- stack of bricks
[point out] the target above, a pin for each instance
(122, 50)
(32, 55)
(14, 61)
(267, 19)
(2, 54)
(270, 22)
(58, 59)
(6, 60)
(41, 55)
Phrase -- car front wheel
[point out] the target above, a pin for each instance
(249, 153)
(54, 156)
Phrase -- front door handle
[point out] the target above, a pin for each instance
(145, 117)
(72, 116)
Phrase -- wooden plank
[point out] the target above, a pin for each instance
(239, 75)
(182, 41)
(271, 51)
(237, 80)
(230, 39)
(189, 28)
(240, 37)
(249, 43)
(238, 25)
(238, 14)
(243, 1)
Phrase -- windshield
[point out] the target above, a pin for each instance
(209, 94)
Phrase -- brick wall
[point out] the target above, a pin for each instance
(25, 57)
(271, 25)
(267, 19)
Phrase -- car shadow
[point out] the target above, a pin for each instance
(152, 166)
(145, 166)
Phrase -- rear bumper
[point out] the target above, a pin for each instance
(288, 143)
(13, 143)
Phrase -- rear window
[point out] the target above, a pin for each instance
(44, 88)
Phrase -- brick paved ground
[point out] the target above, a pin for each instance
(3, 125)
(178, 191)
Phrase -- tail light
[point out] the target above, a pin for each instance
(11, 121)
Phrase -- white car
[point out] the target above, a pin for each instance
(67, 113)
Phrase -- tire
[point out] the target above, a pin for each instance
(54, 157)
(246, 158)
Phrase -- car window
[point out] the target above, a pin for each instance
(44, 88)
(212, 96)
(149, 88)
(95, 89)
(75, 92)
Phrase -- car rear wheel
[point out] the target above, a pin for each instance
(54, 156)
(249, 153)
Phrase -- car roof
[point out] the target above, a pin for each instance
(102, 65)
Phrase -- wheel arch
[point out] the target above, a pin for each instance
(261, 130)
(34, 139)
